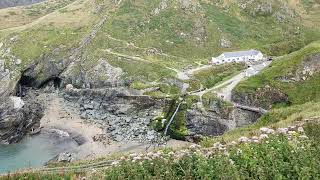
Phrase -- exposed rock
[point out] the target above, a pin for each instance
(163, 5)
(153, 51)
(17, 102)
(225, 43)
(263, 97)
(243, 117)
(102, 74)
(124, 113)
(217, 120)
(65, 157)
(264, 8)
(17, 119)
(309, 67)
(205, 123)
(189, 5)
(59, 132)
(199, 31)
(69, 86)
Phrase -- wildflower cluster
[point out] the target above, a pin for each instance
(284, 153)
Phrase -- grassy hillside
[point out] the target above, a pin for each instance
(287, 153)
(290, 87)
(288, 74)
(144, 38)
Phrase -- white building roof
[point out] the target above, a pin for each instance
(236, 54)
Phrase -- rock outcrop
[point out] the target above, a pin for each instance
(263, 97)
(214, 122)
(125, 114)
(309, 67)
(18, 117)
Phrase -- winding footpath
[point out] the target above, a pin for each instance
(224, 90)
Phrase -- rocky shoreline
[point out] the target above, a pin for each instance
(125, 115)
(17, 121)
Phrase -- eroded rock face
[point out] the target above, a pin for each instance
(225, 43)
(18, 118)
(309, 67)
(13, 3)
(102, 74)
(205, 123)
(263, 97)
(125, 114)
(215, 122)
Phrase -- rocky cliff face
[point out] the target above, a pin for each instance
(18, 117)
(215, 122)
(274, 93)
(125, 114)
(13, 3)
(263, 97)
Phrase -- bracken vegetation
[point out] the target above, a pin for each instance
(288, 153)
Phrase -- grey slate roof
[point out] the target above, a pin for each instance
(241, 53)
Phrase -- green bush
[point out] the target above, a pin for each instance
(277, 158)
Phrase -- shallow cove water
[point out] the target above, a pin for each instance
(33, 151)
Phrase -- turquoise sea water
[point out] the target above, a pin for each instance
(32, 151)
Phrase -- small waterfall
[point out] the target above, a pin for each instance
(174, 114)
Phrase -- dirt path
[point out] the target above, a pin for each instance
(225, 89)
(39, 20)
(197, 69)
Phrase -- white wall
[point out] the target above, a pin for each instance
(221, 59)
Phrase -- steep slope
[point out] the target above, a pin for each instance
(292, 80)
(154, 35)
(142, 44)
(286, 153)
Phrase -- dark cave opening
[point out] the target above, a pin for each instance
(53, 82)
(26, 83)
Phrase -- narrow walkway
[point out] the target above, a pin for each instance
(250, 108)
(224, 90)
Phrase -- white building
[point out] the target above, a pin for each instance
(238, 56)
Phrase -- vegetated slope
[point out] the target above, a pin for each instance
(286, 153)
(145, 37)
(289, 88)
(17, 16)
(292, 79)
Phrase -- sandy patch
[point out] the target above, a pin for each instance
(57, 118)
(91, 146)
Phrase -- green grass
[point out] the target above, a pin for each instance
(277, 159)
(34, 43)
(273, 158)
(212, 76)
(281, 117)
(286, 66)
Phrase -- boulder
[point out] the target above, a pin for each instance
(18, 117)
(65, 157)
(18, 103)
